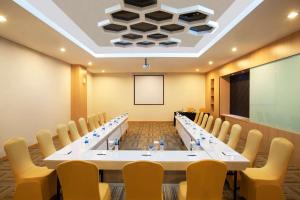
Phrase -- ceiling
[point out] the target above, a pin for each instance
(266, 23)
(96, 26)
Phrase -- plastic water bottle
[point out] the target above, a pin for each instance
(116, 144)
(198, 144)
(94, 133)
(192, 145)
(161, 144)
(86, 140)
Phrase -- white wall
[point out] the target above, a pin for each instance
(113, 93)
(34, 92)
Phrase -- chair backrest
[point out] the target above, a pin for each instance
(216, 127)
(190, 109)
(18, 155)
(196, 117)
(280, 153)
(96, 121)
(79, 180)
(224, 130)
(44, 139)
(200, 118)
(253, 141)
(63, 135)
(209, 123)
(143, 180)
(104, 117)
(204, 120)
(234, 136)
(205, 180)
(83, 126)
(91, 123)
(74, 134)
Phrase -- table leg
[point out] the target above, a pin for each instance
(235, 187)
(101, 175)
(58, 189)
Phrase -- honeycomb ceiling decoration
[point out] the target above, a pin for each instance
(147, 23)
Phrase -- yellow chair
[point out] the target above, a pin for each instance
(204, 181)
(209, 123)
(272, 173)
(74, 134)
(216, 127)
(251, 148)
(224, 130)
(96, 121)
(63, 135)
(234, 136)
(196, 117)
(41, 180)
(253, 141)
(44, 139)
(80, 180)
(91, 123)
(204, 120)
(190, 109)
(83, 126)
(263, 192)
(200, 118)
(143, 180)
(103, 118)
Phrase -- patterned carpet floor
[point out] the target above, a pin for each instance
(139, 136)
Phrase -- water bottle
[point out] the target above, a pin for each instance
(86, 140)
(192, 145)
(116, 144)
(94, 133)
(161, 144)
(198, 144)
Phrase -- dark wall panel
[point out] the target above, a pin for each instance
(239, 94)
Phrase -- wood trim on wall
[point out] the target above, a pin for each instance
(78, 92)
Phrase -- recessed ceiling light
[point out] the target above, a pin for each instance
(197, 70)
(292, 15)
(210, 62)
(234, 49)
(90, 63)
(2, 19)
(62, 49)
(103, 71)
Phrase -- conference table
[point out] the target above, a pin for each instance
(97, 147)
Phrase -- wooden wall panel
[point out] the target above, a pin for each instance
(277, 50)
(78, 92)
(268, 132)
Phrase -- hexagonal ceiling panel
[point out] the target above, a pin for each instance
(143, 27)
(159, 15)
(125, 15)
(99, 27)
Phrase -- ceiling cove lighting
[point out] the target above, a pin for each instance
(2, 19)
(292, 15)
(233, 49)
(62, 50)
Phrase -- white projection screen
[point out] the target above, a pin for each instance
(148, 89)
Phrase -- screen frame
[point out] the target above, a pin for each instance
(163, 77)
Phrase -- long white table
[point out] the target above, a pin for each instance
(97, 149)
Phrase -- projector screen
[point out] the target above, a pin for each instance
(148, 89)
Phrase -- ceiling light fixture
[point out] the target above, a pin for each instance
(197, 70)
(234, 49)
(146, 65)
(210, 62)
(292, 15)
(90, 63)
(2, 19)
(103, 71)
(62, 49)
